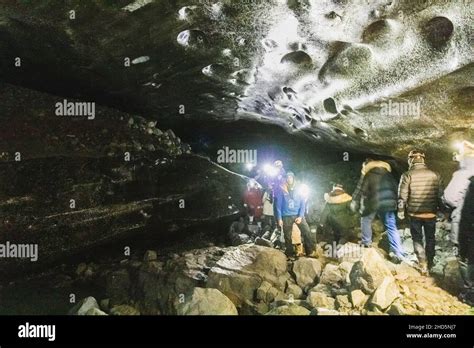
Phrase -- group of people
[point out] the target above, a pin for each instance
(419, 196)
(283, 205)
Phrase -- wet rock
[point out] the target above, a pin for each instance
(358, 299)
(252, 308)
(322, 288)
(84, 306)
(343, 304)
(160, 288)
(397, 309)
(105, 304)
(289, 310)
(207, 302)
(95, 311)
(452, 276)
(241, 271)
(118, 286)
(81, 268)
(369, 273)
(386, 293)
(150, 255)
(307, 272)
(319, 299)
(332, 276)
(293, 290)
(124, 310)
(324, 311)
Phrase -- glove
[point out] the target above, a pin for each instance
(401, 215)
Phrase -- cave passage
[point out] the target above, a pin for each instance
(236, 157)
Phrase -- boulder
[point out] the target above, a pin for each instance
(262, 290)
(358, 298)
(84, 306)
(267, 293)
(251, 308)
(452, 275)
(324, 311)
(95, 311)
(319, 299)
(396, 308)
(343, 303)
(206, 301)
(332, 276)
(124, 310)
(386, 293)
(368, 273)
(117, 286)
(307, 271)
(289, 310)
(323, 288)
(160, 285)
(150, 255)
(241, 270)
(293, 290)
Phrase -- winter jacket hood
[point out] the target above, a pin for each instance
(375, 164)
(337, 198)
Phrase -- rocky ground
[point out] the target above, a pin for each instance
(255, 280)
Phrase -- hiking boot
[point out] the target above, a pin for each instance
(394, 258)
(263, 242)
(423, 266)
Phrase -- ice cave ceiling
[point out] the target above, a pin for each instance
(325, 69)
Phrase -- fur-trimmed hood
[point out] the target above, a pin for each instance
(337, 199)
(375, 164)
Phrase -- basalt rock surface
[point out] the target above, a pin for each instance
(76, 184)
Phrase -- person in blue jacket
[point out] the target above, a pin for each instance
(290, 209)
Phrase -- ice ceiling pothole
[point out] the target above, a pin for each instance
(382, 76)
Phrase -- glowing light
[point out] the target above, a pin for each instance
(304, 190)
(249, 166)
(270, 170)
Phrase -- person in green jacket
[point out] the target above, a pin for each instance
(337, 214)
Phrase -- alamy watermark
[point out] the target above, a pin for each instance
(75, 109)
(21, 251)
(396, 109)
(337, 251)
(227, 155)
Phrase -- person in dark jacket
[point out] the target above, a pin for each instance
(337, 214)
(376, 194)
(420, 194)
(290, 209)
(466, 239)
(459, 195)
